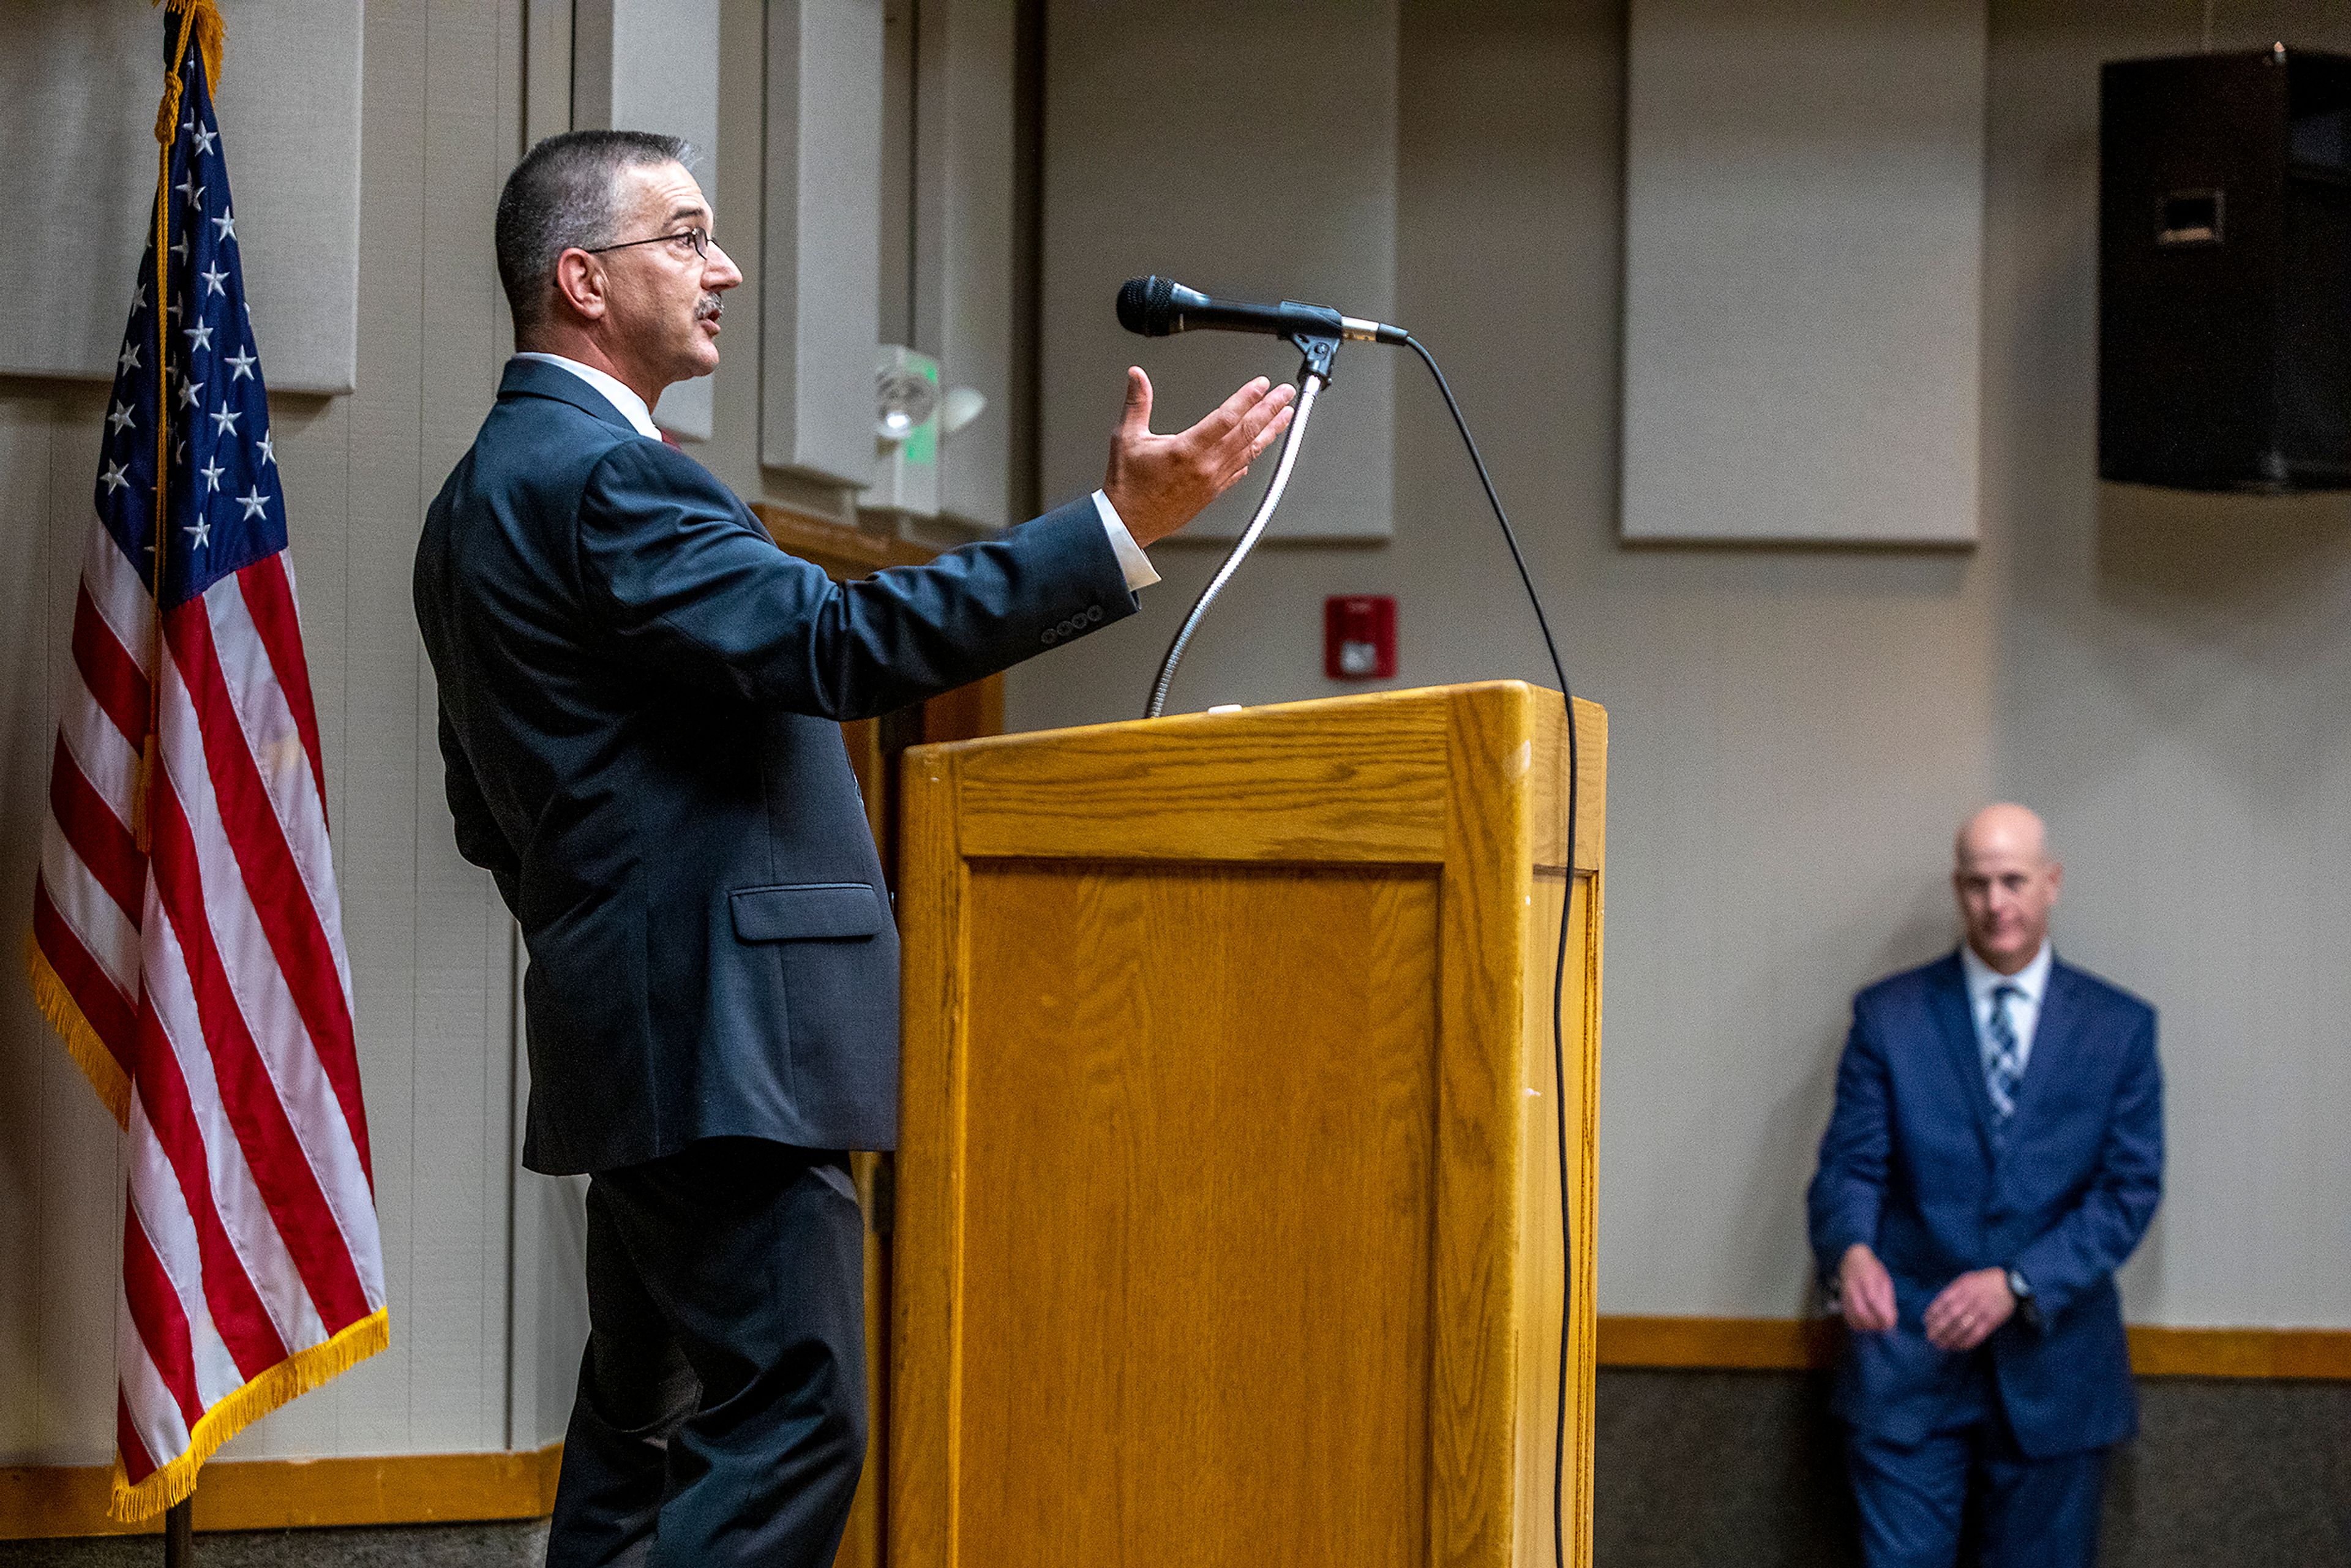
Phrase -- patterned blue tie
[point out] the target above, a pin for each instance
(2007, 1064)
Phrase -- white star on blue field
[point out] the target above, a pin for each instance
(225, 508)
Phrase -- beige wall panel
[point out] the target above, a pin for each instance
(58, 1185)
(462, 967)
(1247, 151)
(652, 65)
(1796, 734)
(1804, 219)
(81, 83)
(820, 310)
(963, 305)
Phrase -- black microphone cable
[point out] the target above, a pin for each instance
(1558, 960)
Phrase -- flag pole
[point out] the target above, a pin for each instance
(180, 1534)
(179, 1519)
(167, 115)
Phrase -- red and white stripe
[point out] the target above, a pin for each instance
(212, 971)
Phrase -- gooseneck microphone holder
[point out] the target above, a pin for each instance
(1313, 375)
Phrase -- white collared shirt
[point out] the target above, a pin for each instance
(615, 391)
(1133, 563)
(2032, 984)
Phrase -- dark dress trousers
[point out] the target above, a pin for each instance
(1917, 1163)
(640, 696)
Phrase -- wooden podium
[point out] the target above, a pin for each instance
(1227, 1225)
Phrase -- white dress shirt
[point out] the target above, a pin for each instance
(615, 391)
(2032, 984)
(1132, 562)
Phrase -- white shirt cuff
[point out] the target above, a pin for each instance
(1131, 559)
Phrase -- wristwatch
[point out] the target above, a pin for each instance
(2021, 1288)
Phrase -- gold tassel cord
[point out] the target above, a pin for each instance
(289, 1379)
(200, 25)
(201, 20)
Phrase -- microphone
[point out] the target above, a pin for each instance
(1159, 307)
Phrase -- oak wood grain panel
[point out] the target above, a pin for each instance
(925, 1330)
(861, 1537)
(1586, 945)
(1488, 869)
(43, 1503)
(1350, 779)
(1195, 1210)
(1550, 1285)
(1549, 783)
(1164, 1029)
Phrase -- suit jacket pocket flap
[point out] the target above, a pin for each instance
(815, 909)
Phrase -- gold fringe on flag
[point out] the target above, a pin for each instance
(106, 1076)
(294, 1376)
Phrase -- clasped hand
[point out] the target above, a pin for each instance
(1159, 483)
(1962, 1316)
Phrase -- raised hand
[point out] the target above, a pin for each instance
(1159, 483)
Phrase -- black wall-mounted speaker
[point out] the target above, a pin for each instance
(2224, 277)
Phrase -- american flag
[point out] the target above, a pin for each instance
(187, 940)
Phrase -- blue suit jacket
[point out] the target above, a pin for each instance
(1911, 1166)
(639, 694)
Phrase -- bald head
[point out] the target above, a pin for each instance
(2006, 884)
(2004, 826)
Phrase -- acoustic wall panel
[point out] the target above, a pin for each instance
(963, 240)
(79, 86)
(1247, 150)
(1803, 214)
(652, 65)
(821, 257)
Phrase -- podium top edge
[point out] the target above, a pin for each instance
(1591, 718)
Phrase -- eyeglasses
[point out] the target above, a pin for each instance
(699, 239)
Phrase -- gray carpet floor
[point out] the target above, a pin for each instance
(520, 1545)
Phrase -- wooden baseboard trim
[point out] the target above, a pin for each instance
(2315, 1354)
(44, 1502)
(41, 1502)
(1756, 1344)
(1810, 1344)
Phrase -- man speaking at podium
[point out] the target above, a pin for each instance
(638, 697)
(1996, 1151)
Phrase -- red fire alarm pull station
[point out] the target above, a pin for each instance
(1359, 636)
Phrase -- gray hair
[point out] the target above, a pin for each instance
(563, 194)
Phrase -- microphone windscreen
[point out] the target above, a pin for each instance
(1145, 305)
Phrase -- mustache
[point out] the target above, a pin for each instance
(710, 310)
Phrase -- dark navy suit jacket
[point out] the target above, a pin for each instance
(639, 697)
(1914, 1166)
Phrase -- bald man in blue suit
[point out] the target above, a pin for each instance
(1995, 1153)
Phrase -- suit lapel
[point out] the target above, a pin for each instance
(1948, 998)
